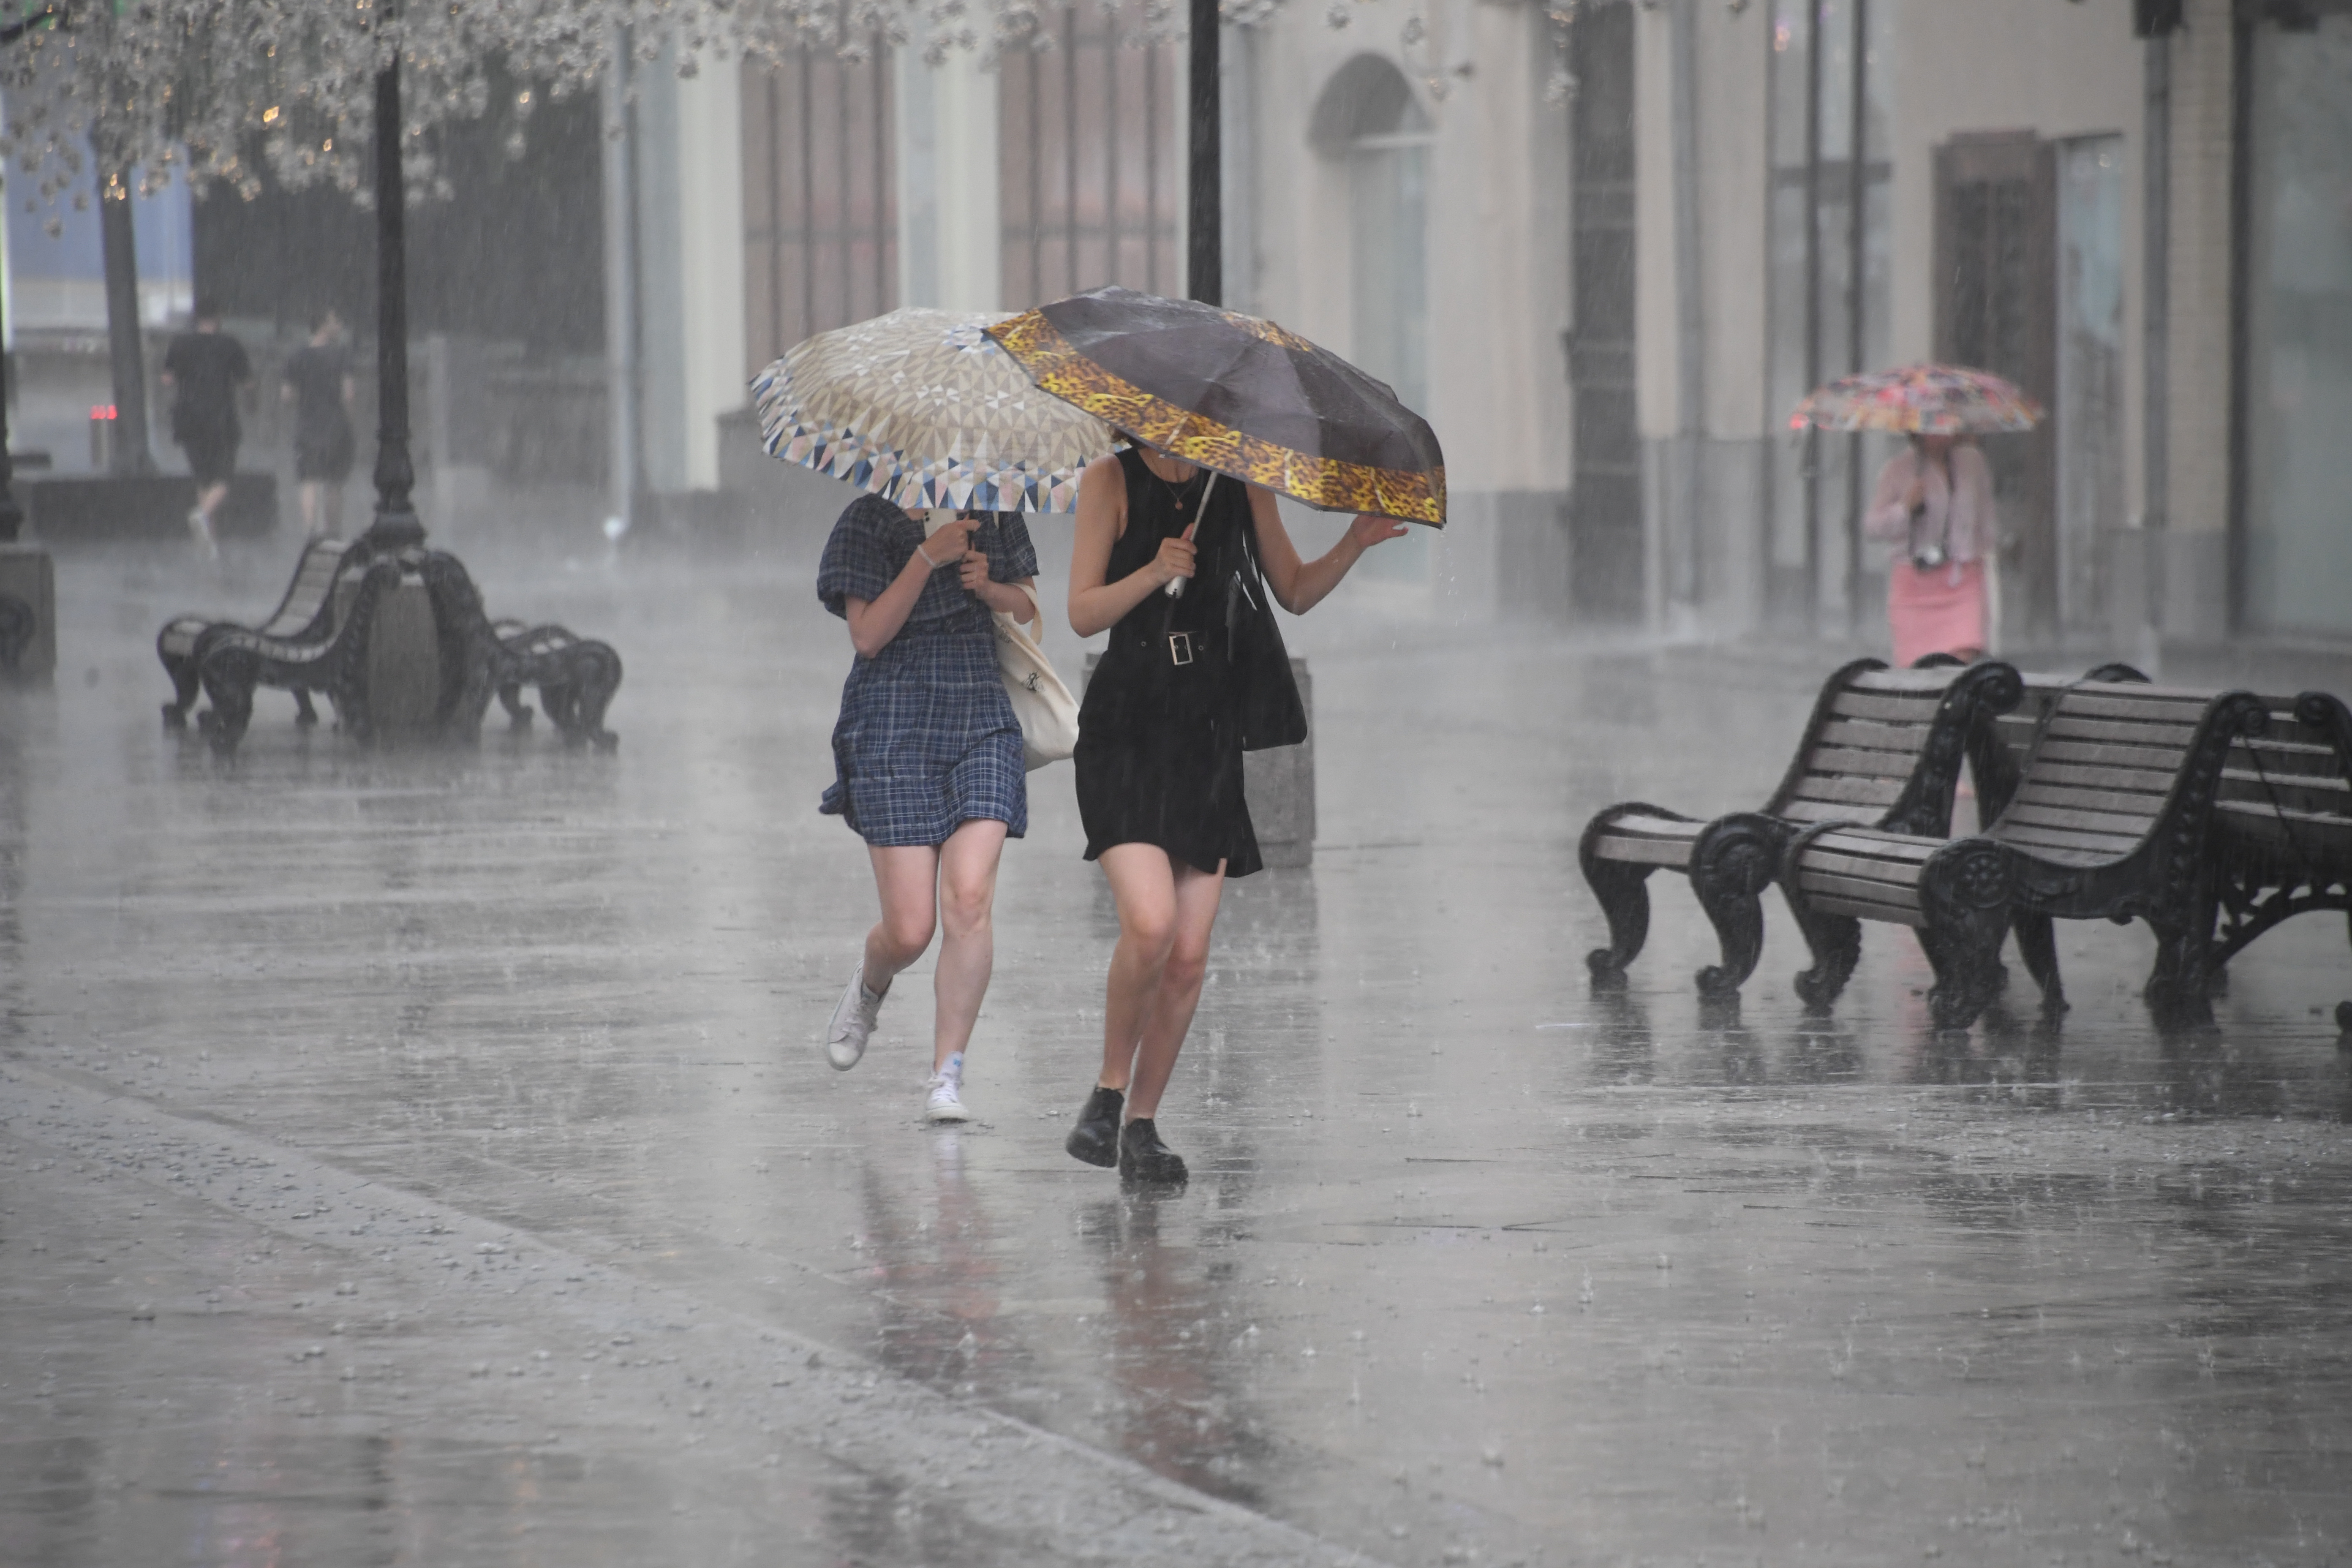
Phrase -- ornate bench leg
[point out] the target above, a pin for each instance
(1836, 940)
(229, 677)
(304, 714)
(1731, 865)
(2037, 943)
(185, 685)
(1964, 892)
(2178, 990)
(518, 712)
(595, 676)
(1625, 899)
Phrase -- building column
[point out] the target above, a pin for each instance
(950, 234)
(2195, 565)
(689, 170)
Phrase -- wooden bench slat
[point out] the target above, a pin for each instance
(1864, 888)
(1874, 764)
(1893, 914)
(1849, 789)
(1808, 811)
(2165, 760)
(1900, 873)
(1867, 736)
(1868, 841)
(2096, 797)
(2308, 761)
(2121, 822)
(1918, 707)
(2034, 836)
(2144, 702)
(2136, 781)
(2328, 823)
(2327, 797)
(2068, 726)
(1643, 851)
(1656, 828)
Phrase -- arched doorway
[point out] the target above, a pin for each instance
(1368, 118)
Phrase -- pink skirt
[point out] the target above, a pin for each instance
(1937, 611)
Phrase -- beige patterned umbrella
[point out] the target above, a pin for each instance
(921, 407)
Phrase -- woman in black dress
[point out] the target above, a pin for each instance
(1160, 750)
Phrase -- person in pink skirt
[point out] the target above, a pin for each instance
(1935, 501)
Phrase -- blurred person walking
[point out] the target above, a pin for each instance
(927, 756)
(1160, 737)
(318, 381)
(1934, 499)
(204, 370)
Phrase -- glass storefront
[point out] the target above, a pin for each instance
(2298, 456)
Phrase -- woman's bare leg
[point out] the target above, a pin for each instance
(1166, 913)
(908, 877)
(968, 862)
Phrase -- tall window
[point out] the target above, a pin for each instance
(1091, 172)
(1813, 317)
(2298, 364)
(820, 213)
(2090, 408)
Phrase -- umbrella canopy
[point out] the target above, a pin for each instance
(1237, 394)
(1919, 400)
(919, 407)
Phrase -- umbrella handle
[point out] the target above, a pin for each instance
(1175, 589)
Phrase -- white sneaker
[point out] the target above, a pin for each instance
(853, 1020)
(945, 1103)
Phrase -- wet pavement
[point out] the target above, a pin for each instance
(422, 1156)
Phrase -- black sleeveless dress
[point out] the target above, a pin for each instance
(1160, 733)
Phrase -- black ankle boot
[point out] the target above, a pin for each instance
(1142, 1157)
(1094, 1139)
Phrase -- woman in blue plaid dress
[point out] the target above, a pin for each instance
(927, 755)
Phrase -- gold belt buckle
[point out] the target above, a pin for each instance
(1180, 647)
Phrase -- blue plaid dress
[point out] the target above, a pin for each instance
(926, 741)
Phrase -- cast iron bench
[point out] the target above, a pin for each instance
(307, 614)
(2282, 842)
(1886, 742)
(233, 659)
(576, 678)
(2111, 817)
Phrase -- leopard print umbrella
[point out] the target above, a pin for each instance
(1236, 393)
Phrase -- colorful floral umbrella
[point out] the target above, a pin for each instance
(1919, 400)
(922, 409)
(1236, 395)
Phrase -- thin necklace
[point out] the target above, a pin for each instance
(1175, 487)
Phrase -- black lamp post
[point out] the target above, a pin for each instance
(1204, 215)
(396, 525)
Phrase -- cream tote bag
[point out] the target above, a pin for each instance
(1049, 713)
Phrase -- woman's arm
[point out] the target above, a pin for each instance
(1005, 598)
(1889, 514)
(1299, 585)
(874, 622)
(1096, 606)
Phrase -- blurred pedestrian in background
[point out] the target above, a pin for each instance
(928, 755)
(318, 381)
(204, 371)
(1161, 737)
(1934, 499)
